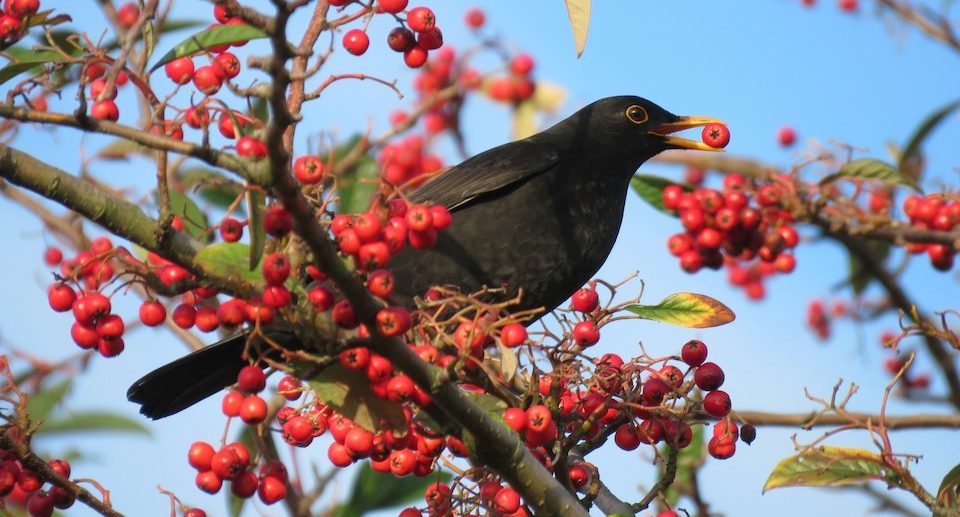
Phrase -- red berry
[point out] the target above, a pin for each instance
(209, 482)
(848, 5)
(308, 169)
(277, 222)
(184, 315)
(128, 14)
(207, 79)
(415, 57)
(393, 321)
(522, 64)
(225, 464)
(721, 447)
(586, 333)
(271, 490)
(708, 376)
(250, 147)
(356, 42)
(430, 40)
(231, 230)
(421, 19)
(276, 268)
(401, 39)
(585, 300)
(61, 297)
(627, 437)
(110, 326)
(694, 352)
(251, 379)
(475, 18)
(717, 403)
(715, 135)
(392, 6)
(786, 136)
(507, 500)
(320, 298)
(516, 419)
(21, 8)
(227, 64)
(253, 410)
(105, 110)
(200, 455)
(513, 335)
(539, 418)
(232, 402)
(289, 387)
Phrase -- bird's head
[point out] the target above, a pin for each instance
(635, 126)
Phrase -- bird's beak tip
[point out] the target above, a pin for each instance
(681, 123)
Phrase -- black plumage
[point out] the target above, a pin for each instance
(540, 214)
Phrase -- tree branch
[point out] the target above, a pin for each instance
(818, 419)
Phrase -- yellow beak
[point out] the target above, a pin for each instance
(675, 142)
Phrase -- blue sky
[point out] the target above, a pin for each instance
(757, 65)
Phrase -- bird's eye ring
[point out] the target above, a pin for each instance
(637, 114)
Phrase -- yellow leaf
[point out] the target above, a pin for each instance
(548, 96)
(827, 466)
(524, 120)
(686, 310)
(579, 13)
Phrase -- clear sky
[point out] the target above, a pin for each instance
(757, 65)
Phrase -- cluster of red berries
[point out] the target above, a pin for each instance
(665, 384)
(502, 500)
(724, 224)
(820, 320)
(518, 85)
(372, 237)
(910, 380)
(20, 486)
(440, 72)
(934, 213)
(13, 19)
(848, 6)
(415, 37)
(94, 326)
(232, 463)
(406, 161)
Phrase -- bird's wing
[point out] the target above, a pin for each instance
(487, 172)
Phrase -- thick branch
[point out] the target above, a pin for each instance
(113, 212)
(817, 419)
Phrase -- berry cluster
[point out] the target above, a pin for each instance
(20, 486)
(725, 228)
(406, 161)
(934, 213)
(13, 19)
(847, 6)
(415, 37)
(95, 326)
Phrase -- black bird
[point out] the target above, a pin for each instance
(540, 214)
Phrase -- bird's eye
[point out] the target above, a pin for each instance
(636, 114)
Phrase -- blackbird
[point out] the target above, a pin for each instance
(539, 214)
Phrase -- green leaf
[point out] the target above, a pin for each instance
(349, 393)
(860, 278)
(214, 187)
(827, 466)
(912, 149)
(949, 488)
(256, 202)
(579, 13)
(229, 259)
(357, 185)
(94, 421)
(213, 37)
(168, 26)
(374, 491)
(491, 405)
(871, 168)
(149, 39)
(686, 310)
(27, 61)
(121, 149)
(650, 189)
(42, 402)
(260, 110)
(194, 222)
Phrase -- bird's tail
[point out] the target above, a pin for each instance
(190, 379)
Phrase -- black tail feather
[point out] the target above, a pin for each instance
(190, 379)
